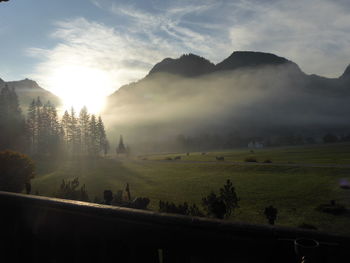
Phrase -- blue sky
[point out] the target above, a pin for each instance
(124, 39)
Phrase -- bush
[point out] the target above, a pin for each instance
(330, 138)
(250, 160)
(307, 226)
(16, 171)
(222, 205)
(69, 190)
(267, 161)
(182, 209)
(332, 208)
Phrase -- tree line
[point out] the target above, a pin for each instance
(43, 133)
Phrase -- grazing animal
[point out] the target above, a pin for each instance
(177, 158)
(203, 153)
(220, 158)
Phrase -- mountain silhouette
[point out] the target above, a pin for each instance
(244, 59)
(346, 74)
(28, 89)
(189, 65)
(248, 91)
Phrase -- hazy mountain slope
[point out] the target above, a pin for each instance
(27, 90)
(187, 66)
(250, 92)
(244, 59)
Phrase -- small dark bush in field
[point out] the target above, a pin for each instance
(188, 154)
(144, 158)
(195, 211)
(267, 161)
(220, 158)
(177, 158)
(182, 209)
(203, 153)
(214, 206)
(307, 226)
(168, 159)
(69, 190)
(16, 171)
(169, 207)
(251, 151)
(332, 208)
(271, 214)
(250, 160)
(107, 196)
(330, 138)
(222, 205)
(140, 203)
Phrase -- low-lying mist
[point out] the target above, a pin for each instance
(261, 101)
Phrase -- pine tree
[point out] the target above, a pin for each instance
(65, 130)
(121, 148)
(84, 119)
(12, 125)
(93, 135)
(103, 144)
(31, 127)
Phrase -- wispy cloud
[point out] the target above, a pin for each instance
(314, 34)
(94, 45)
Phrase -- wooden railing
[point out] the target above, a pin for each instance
(42, 229)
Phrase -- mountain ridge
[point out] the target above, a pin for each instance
(28, 89)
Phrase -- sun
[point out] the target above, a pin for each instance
(79, 86)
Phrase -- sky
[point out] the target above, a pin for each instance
(108, 43)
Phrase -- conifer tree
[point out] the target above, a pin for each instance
(103, 143)
(84, 119)
(93, 134)
(12, 125)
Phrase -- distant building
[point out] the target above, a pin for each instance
(255, 145)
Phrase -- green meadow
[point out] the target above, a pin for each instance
(338, 153)
(295, 191)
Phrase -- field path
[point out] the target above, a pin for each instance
(256, 163)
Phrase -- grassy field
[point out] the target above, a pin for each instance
(295, 191)
(316, 154)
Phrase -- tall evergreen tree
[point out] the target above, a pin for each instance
(12, 125)
(84, 119)
(65, 130)
(103, 143)
(93, 134)
(121, 147)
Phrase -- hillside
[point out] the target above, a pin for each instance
(27, 90)
(253, 93)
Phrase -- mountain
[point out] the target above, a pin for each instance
(346, 74)
(192, 65)
(251, 92)
(27, 90)
(187, 65)
(245, 59)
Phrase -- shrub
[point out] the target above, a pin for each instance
(332, 208)
(250, 160)
(16, 171)
(307, 226)
(70, 190)
(270, 213)
(182, 209)
(267, 161)
(222, 205)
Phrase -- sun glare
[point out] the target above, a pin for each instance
(80, 86)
